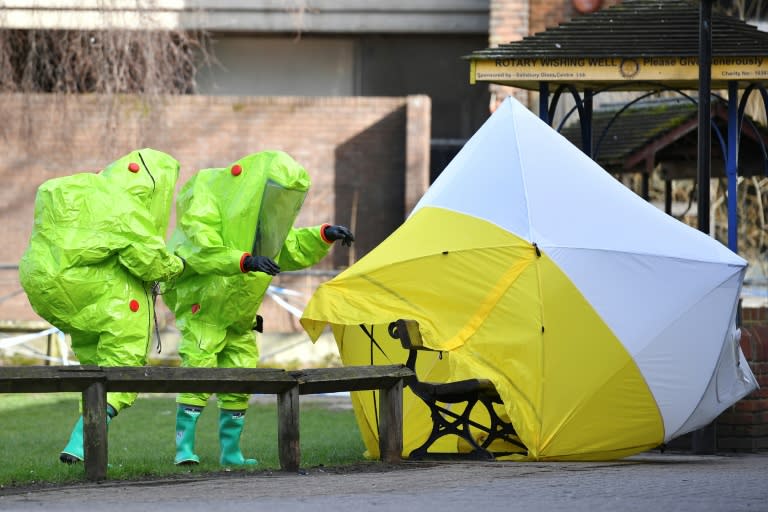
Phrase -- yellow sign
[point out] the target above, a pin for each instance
(607, 69)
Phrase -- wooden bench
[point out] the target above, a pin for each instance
(94, 382)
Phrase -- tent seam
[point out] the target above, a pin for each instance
(639, 253)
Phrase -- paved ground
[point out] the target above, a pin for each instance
(649, 482)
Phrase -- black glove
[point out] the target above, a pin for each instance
(260, 264)
(259, 325)
(334, 233)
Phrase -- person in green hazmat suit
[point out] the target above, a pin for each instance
(235, 232)
(96, 250)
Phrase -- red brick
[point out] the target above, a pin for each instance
(746, 344)
(759, 368)
(748, 406)
(739, 444)
(738, 418)
(758, 335)
(509, 20)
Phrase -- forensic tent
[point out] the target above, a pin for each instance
(606, 326)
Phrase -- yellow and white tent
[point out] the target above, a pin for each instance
(607, 326)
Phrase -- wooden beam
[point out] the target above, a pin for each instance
(157, 379)
(749, 165)
(95, 431)
(349, 378)
(45, 379)
(391, 423)
(649, 151)
(288, 440)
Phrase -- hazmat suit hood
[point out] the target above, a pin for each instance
(267, 199)
(151, 179)
(252, 205)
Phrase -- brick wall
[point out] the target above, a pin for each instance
(509, 20)
(744, 427)
(550, 13)
(354, 149)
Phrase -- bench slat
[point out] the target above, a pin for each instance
(155, 379)
(46, 379)
(350, 378)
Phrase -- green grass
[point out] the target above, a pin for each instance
(35, 427)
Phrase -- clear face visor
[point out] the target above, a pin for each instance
(279, 208)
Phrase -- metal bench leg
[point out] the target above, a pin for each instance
(446, 422)
(499, 429)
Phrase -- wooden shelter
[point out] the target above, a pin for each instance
(638, 45)
(661, 134)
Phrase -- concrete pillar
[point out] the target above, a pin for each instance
(418, 114)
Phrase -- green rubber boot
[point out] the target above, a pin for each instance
(230, 427)
(74, 451)
(186, 421)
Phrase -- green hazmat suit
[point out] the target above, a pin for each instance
(224, 215)
(96, 249)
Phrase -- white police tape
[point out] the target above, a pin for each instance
(18, 340)
(14, 345)
(276, 293)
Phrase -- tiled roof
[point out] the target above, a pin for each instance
(650, 122)
(636, 28)
(632, 129)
